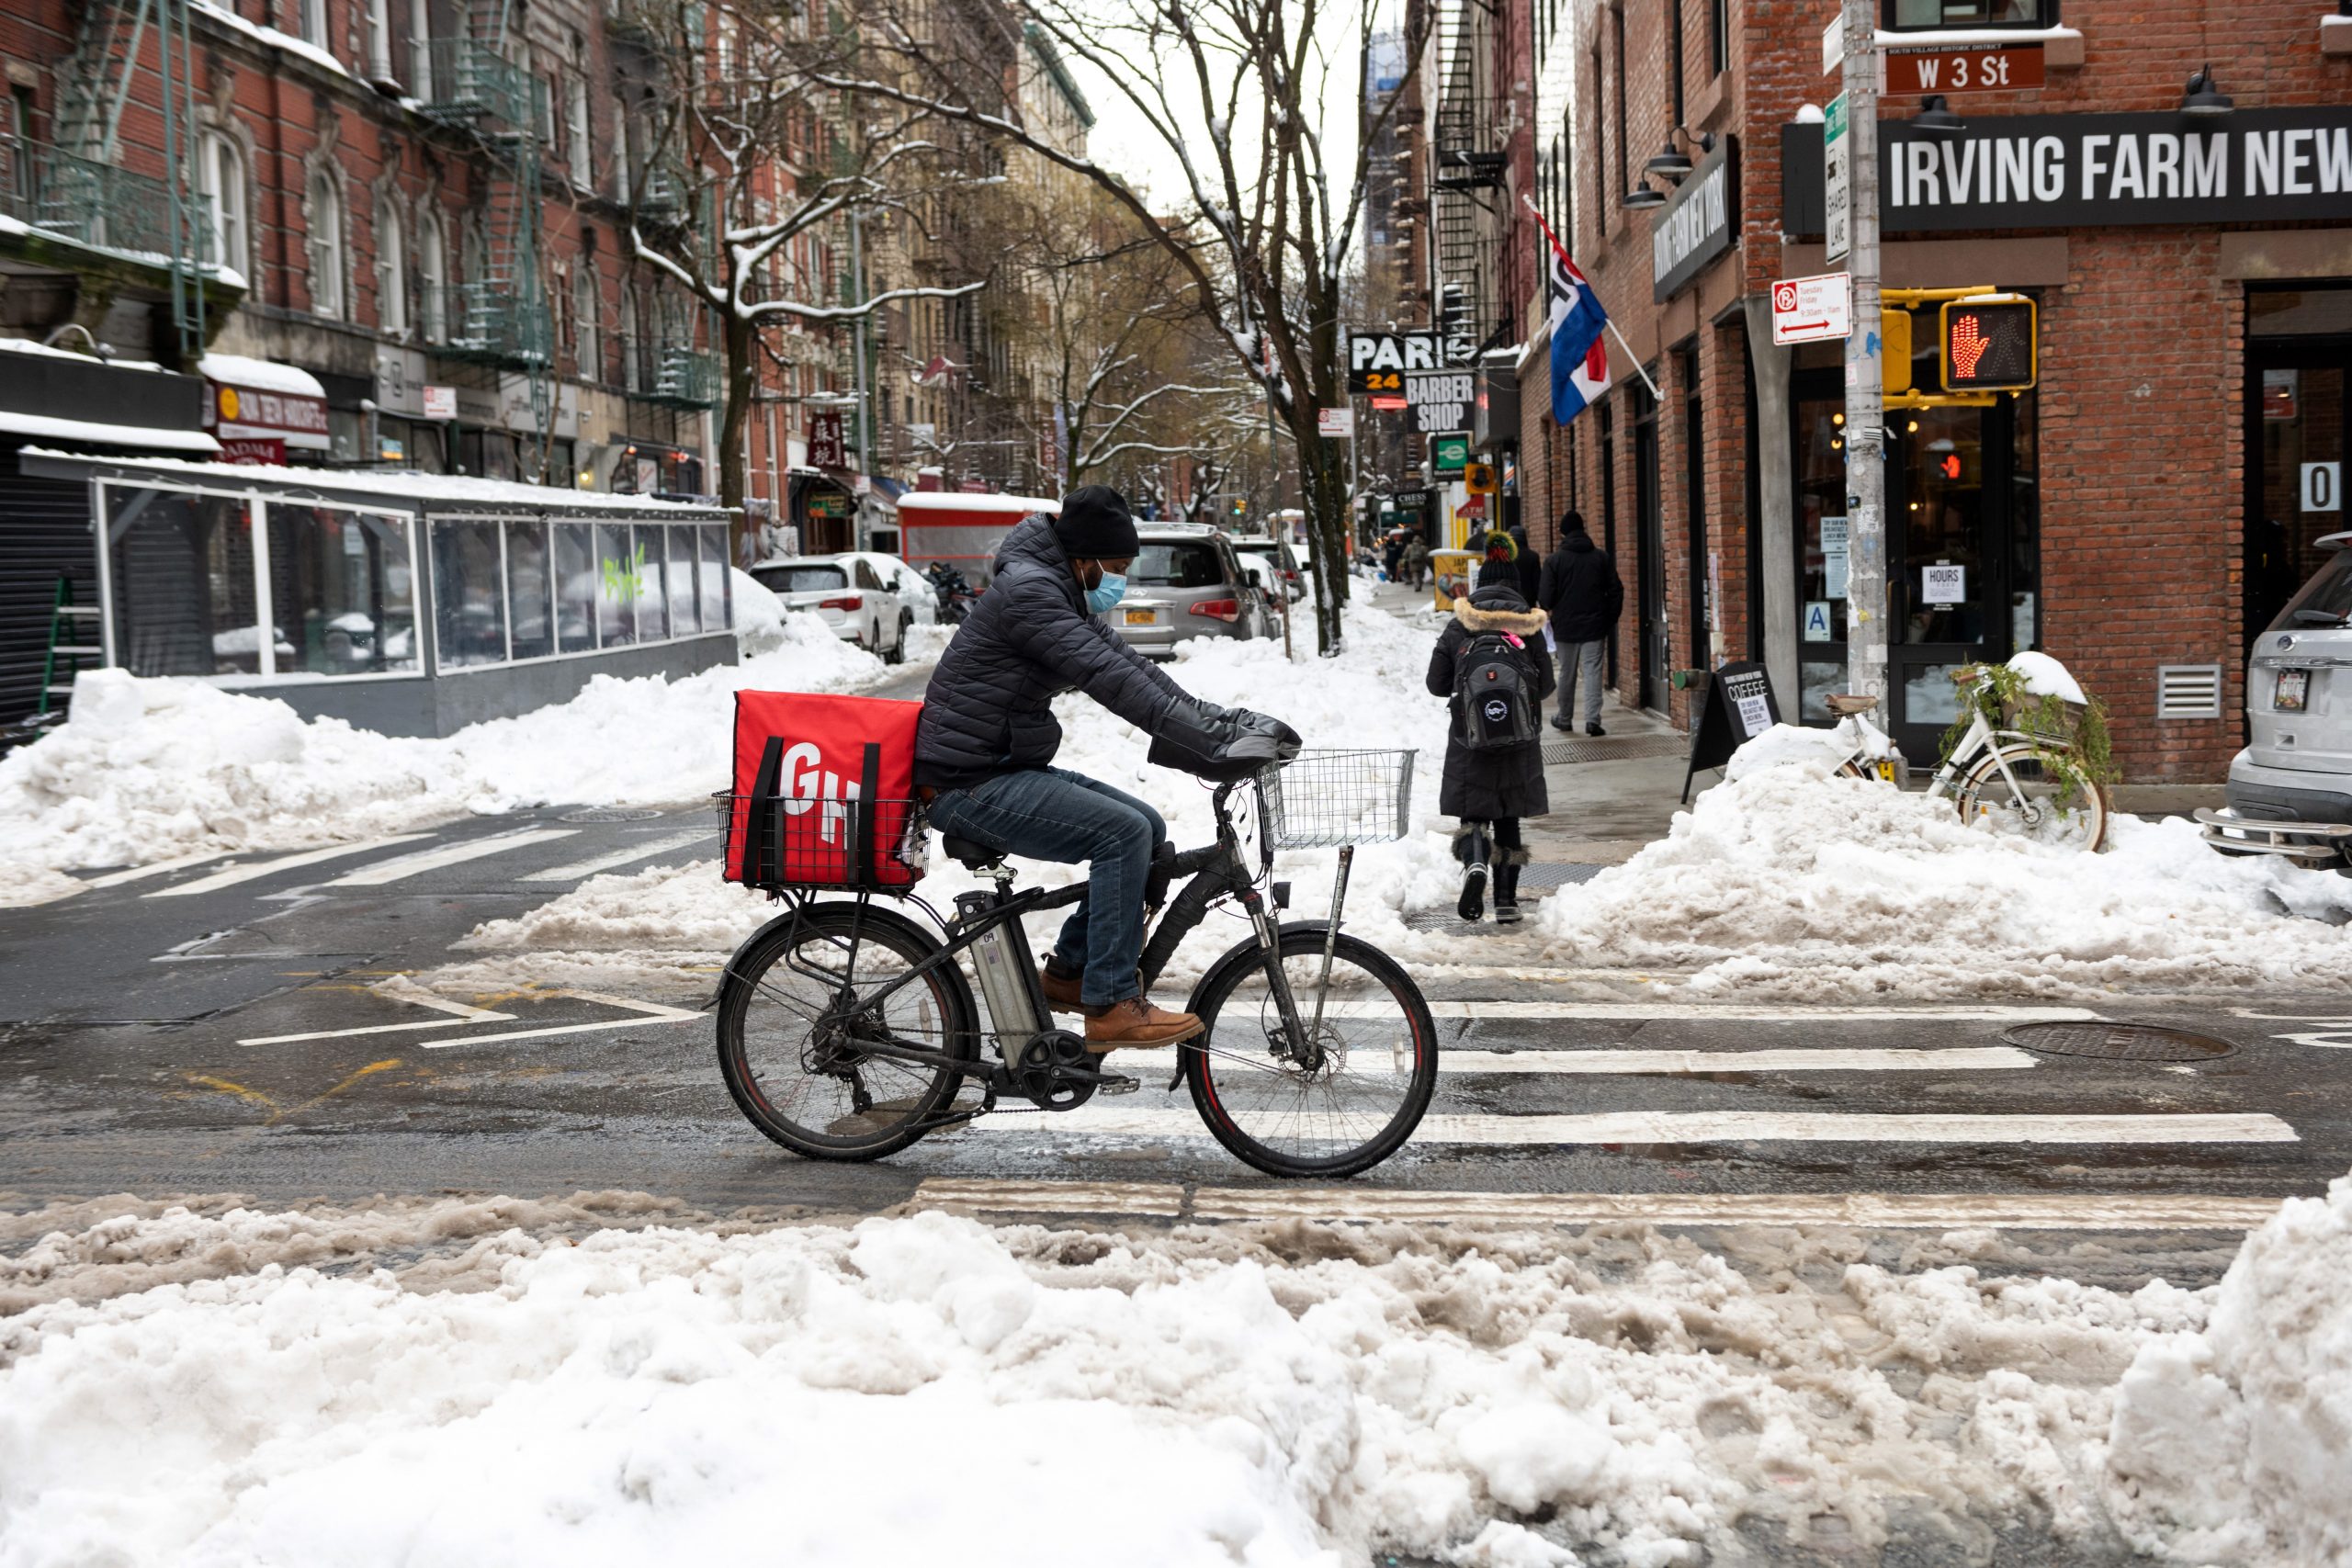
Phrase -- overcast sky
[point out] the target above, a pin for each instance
(1123, 141)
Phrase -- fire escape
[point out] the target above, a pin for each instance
(499, 317)
(1468, 179)
(79, 188)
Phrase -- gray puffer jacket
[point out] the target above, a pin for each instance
(1029, 639)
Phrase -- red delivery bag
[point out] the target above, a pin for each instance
(824, 792)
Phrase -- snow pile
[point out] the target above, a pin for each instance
(759, 615)
(2234, 1445)
(1786, 882)
(146, 770)
(1272, 1395)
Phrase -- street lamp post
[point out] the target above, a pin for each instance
(1866, 588)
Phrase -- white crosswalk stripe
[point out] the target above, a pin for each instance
(402, 867)
(580, 870)
(1895, 1059)
(1542, 1130)
(260, 868)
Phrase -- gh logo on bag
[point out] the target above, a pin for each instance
(808, 783)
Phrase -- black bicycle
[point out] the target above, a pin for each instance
(847, 1029)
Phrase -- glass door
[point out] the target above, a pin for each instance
(1961, 557)
(2299, 426)
(1821, 540)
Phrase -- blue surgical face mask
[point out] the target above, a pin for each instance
(1108, 591)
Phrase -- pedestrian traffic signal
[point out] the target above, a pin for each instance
(1989, 344)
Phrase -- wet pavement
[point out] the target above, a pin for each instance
(241, 1039)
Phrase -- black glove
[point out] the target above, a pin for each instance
(1221, 745)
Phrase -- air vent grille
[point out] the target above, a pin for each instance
(2188, 690)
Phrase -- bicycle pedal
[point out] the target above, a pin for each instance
(1117, 1083)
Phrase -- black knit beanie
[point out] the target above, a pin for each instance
(1499, 574)
(1095, 524)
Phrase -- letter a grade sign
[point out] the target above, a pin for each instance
(1379, 362)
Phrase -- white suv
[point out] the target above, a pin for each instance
(846, 593)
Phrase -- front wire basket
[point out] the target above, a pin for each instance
(774, 841)
(1325, 799)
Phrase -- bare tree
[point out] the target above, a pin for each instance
(1234, 89)
(746, 157)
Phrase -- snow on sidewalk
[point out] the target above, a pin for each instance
(1786, 884)
(498, 1381)
(147, 770)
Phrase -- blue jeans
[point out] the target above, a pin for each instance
(1054, 814)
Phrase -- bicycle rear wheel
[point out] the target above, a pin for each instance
(1342, 1113)
(791, 1038)
(2053, 800)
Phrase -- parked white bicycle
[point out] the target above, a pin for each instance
(2030, 782)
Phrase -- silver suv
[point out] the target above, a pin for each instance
(1186, 583)
(2290, 792)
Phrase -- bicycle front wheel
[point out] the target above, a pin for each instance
(795, 1038)
(2048, 797)
(1370, 1064)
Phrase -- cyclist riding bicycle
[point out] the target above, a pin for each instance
(985, 746)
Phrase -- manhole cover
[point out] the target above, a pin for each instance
(611, 814)
(2119, 1042)
(1610, 749)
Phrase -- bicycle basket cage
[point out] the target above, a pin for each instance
(780, 842)
(1323, 799)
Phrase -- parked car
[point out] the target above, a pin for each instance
(1187, 581)
(914, 589)
(2289, 792)
(1284, 560)
(846, 593)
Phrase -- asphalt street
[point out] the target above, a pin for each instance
(225, 1026)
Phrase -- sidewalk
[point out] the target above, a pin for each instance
(1609, 795)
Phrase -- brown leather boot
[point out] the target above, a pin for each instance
(1064, 993)
(1136, 1022)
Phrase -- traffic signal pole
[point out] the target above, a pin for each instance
(1866, 592)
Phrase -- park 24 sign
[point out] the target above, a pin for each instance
(1379, 362)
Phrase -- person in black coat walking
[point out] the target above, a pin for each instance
(1491, 789)
(1530, 564)
(1582, 592)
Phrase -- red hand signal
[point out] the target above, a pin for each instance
(1968, 344)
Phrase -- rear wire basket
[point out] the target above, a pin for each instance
(1325, 799)
(774, 841)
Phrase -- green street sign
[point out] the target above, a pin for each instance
(1449, 453)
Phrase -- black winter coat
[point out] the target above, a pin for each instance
(1506, 781)
(1030, 639)
(1580, 590)
(1529, 565)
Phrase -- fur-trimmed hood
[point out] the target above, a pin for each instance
(1478, 618)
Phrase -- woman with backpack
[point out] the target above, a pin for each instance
(1492, 661)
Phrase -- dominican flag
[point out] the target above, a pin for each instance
(1580, 357)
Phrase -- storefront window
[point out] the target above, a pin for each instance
(653, 605)
(616, 585)
(2025, 526)
(714, 576)
(181, 568)
(468, 594)
(1823, 557)
(575, 586)
(528, 592)
(1915, 15)
(341, 591)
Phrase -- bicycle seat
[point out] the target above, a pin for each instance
(975, 856)
(1845, 703)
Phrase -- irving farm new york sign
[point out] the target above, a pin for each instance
(2060, 171)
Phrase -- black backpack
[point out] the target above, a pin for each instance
(1492, 703)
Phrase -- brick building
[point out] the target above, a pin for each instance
(2141, 514)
